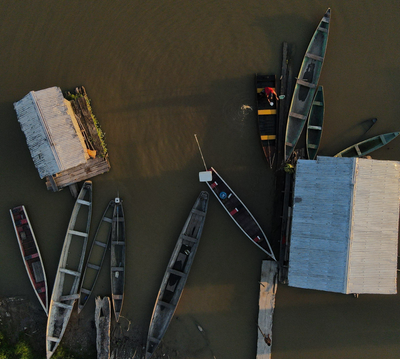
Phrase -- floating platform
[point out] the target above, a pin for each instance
(268, 287)
(98, 163)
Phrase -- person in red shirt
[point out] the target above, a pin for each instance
(270, 94)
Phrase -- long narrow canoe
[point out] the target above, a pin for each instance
(66, 284)
(97, 253)
(176, 274)
(267, 117)
(314, 124)
(102, 319)
(118, 257)
(30, 254)
(239, 212)
(367, 146)
(306, 84)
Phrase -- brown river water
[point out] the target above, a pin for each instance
(157, 73)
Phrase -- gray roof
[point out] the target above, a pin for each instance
(51, 131)
(344, 232)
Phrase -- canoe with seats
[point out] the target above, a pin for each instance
(306, 84)
(30, 254)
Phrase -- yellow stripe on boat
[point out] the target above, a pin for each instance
(268, 137)
(267, 112)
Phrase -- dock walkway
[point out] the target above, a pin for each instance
(268, 287)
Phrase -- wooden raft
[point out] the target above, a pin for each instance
(94, 166)
(268, 287)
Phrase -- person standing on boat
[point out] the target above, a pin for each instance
(270, 94)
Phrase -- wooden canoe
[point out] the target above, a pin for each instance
(267, 117)
(239, 213)
(102, 319)
(306, 84)
(66, 284)
(367, 146)
(30, 254)
(96, 256)
(118, 257)
(176, 274)
(314, 124)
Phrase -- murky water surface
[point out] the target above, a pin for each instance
(157, 73)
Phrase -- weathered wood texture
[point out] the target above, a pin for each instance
(268, 287)
(84, 114)
(93, 167)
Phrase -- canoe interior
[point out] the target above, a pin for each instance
(102, 320)
(267, 117)
(177, 272)
(306, 84)
(239, 212)
(30, 254)
(66, 285)
(118, 258)
(367, 146)
(96, 256)
(315, 124)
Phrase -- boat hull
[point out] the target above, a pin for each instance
(118, 258)
(30, 253)
(239, 213)
(176, 274)
(314, 124)
(267, 117)
(96, 256)
(66, 284)
(306, 84)
(365, 147)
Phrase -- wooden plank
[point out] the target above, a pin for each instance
(69, 297)
(176, 272)
(71, 272)
(77, 233)
(314, 57)
(297, 115)
(305, 83)
(187, 238)
(62, 305)
(268, 287)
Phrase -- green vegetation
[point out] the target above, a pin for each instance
(98, 128)
(20, 350)
(23, 350)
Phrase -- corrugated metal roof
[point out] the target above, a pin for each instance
(345, 225)
(51, 131)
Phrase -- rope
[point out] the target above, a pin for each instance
(201, 153)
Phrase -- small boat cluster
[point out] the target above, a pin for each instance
(75, 281)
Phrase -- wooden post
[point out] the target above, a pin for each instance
(268, 287)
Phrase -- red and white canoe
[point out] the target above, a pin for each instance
(30, 254)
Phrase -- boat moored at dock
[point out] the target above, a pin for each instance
(306, 84)
(96, 256)
(66, 284)
(30, 254)
(176, 274)
(118, 257)
(239, 212)
(315, 122)
(267, 117)
(365, 147)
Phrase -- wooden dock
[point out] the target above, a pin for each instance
(93, 137)
(268, 287)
